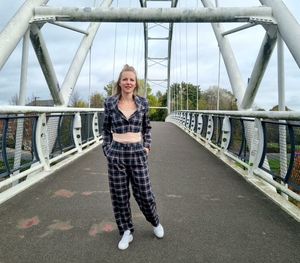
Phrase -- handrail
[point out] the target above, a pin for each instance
(262, 142)
(38, 109)
(35, 141)
(276, 115)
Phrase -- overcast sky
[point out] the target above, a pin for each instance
(109, 54)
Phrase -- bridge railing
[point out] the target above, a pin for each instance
(35, 141)
(265, 144)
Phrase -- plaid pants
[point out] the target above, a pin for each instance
(127, 163)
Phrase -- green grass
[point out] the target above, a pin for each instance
(274, 165)
(275, 147)
(11, 164)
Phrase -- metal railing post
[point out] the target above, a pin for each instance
(257, 146)
(199, 125)
(226, 133)
(95, 126)
(209, 128)
(77, 132)
(42, 142)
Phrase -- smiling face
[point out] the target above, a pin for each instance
(127, 82)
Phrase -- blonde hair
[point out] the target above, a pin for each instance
(126, 68)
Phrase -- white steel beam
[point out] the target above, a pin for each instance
(69, 27)
(259, 69)
(24, 69)
(44, 59)
(150, 15)
(169, 66)
(79, 59)
(288, 26)
(16, 28)
(157, 61)
(234, 74)
(146, 56)
(237, 29)
(174, 3)
(281, 107)
(281, 75)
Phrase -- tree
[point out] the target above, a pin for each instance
(226, 99)
(76, 101)
(109, 88)
(184, 95)
(158, 94)
(97, 100)
(14, 99)
(159, 114)
(80, 104)
(74, 98)
(153, 102)
(275, 108)
(141, 91)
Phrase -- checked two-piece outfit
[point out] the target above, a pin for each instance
(127, 162)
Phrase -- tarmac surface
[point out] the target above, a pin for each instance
(209, 212)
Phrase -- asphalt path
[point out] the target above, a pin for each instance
(209, 212)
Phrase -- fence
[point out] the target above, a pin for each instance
(35, 141)
(266, 144)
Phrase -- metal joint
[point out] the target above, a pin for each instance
(44, 19)
(262, 20)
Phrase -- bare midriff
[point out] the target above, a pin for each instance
(128, 137)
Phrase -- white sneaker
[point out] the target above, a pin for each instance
(158, 231)
(125, 240)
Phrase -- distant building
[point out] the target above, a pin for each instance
(41, 103)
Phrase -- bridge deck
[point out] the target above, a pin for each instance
(209, 212)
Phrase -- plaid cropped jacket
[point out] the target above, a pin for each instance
(115, 121)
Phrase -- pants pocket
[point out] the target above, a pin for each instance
(112, 154)
(109, 151)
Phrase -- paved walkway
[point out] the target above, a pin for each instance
(209, 212)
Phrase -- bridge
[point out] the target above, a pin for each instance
(227, 182)
(210, 213)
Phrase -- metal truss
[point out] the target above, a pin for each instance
(273, 15)
(162, 61)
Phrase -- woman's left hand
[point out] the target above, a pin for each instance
(146, 150)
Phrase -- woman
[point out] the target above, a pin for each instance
(126, 145)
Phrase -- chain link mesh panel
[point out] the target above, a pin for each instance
(217, 133)
(60, 134)
(248, 125)
(204, 125)
(2, 164)
(66, 132)
(240, 138)
(52, 130)
(277, 149)
(236, 139)
(294, 180)
(18, 144)
(87, 127)
(100, 121)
